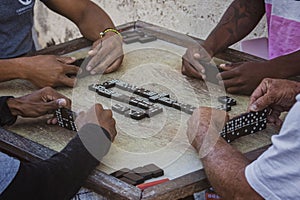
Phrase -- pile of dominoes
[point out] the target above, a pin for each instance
(138, 175)
(147, 102)
(244, 124)
(132, 36)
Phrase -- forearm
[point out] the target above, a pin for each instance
(94, 20)
(285, 66)
(59, 177)
(11, 69)
(238, 21)
(225, 168)
(90, 18)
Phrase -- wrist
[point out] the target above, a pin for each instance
(14, 105)
(209, 49)
(111, 32)
(209, 141)
(22, 69)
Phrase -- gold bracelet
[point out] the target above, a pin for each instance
(102, 34)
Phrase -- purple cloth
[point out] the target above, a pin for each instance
(283, 17)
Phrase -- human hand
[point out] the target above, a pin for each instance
(204, 127)
(49, 70)
(243, 78)
(277, 94)
(192, 62)
(39, 103)
(99, 116)
(106, 54)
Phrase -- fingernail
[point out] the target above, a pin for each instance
(222, 65)
(73, 58)
(89, 68)
(203, 71)
(93, 72)
(91, 52)
(61, 102)
(253, 107)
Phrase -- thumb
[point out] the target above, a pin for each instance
(260, 103)
(51, 106)
(61, 103)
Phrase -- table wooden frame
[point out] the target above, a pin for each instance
(106, 185)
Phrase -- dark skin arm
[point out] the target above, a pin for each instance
(38, 103)
(224, 165)
(42, 71)
(238, 21)
(91, 20)
(243, 78)
(53, 71)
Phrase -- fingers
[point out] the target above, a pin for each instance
(65, 60)
(49, 94)
(70, 69)
(68, 81)
(106, 62)
(226, 66)
(188, 70)
(259, 98)
(114, 66)
(106, 121)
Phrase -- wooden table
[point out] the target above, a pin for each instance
(160, 140)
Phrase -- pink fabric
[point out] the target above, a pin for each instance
(284, 34)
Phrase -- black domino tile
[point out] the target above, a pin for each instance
(139, 91)
(224, 107)
(166, 101)
(147, 38)
(122, 85)
(134, 177)
(227, 100)
(143, 172)
(120, 109)
(244, 124)
(66, 118)
(153, 111)
(155, 170)
(95, 87)
(133, 102)
(143, 105)
(105, 92)
(120, 173)
(129, 34)
(130, 40)
(137, 115)
(109, 84)
(148, 94)
(129, 181)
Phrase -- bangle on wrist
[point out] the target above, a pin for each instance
(102, 34)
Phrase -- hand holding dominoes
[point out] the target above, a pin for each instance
(279, 95)
(95, 115)
(208, 122)
(38, 103)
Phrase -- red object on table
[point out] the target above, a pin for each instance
(150, 184)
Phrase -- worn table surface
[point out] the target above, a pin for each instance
(162, 139)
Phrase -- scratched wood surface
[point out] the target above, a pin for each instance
(161, 139)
